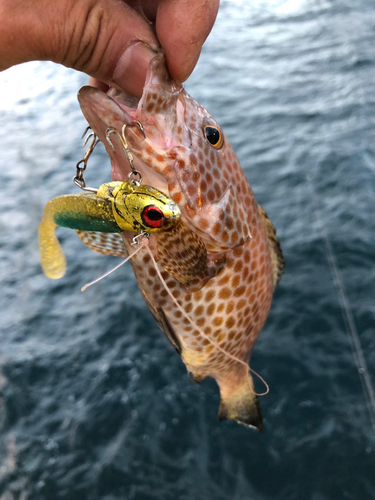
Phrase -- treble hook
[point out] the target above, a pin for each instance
(122, 139)
(78, 179)
(91, 148)
(91, 134)
(140, 127)
(124, 143)
(85, 131)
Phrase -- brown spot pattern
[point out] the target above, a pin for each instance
(215, 197)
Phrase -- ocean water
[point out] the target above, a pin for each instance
(95, 404)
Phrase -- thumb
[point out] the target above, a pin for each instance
(106, 39)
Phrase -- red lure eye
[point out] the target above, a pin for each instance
(152, 216)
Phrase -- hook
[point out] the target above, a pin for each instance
(124, 143)
(78, 179)
(85, 131)
(140, 127)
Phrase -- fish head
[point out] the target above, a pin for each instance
(178, 148)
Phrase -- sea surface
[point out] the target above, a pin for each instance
(95, 404)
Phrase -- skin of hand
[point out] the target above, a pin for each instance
(110, 40)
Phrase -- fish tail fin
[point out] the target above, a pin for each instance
(240, 403)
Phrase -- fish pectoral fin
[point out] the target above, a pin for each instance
(104, 243)
(239, 401)
(277, 259)
(215, 263)
(183, 255)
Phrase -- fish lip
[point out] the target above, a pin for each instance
(96, 104)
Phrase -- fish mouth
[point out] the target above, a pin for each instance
(112, 117)
(138, 125)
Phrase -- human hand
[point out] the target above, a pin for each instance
(110, 40)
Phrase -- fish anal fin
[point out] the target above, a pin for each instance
(240, 403)
(167, 328)
(104, 243)
(277, 259)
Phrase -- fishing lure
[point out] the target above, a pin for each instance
(115, 207)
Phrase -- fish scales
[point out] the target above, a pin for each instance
(223, 260)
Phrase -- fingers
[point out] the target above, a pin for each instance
(106, 39)
(110, 42)
(182, 26)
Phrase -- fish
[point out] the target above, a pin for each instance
(209, 280)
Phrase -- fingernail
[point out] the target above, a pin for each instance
(130, 72)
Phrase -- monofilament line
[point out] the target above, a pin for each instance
(144, 244)
(115, 268)
(347, 314)
(215, 344)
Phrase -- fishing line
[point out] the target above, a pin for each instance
(116, 267)
(202, 333)
(346, 311)
(144, 244)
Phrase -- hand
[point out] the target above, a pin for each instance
(110, 40)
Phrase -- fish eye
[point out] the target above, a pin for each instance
(214, 136)
(152, 216)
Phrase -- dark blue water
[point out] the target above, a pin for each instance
(95, 404)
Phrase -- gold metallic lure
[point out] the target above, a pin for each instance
(140, 208)
(116, 207)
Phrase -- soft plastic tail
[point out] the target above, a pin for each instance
(52, 257)
(79, 211)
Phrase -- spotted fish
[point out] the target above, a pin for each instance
(223, 260)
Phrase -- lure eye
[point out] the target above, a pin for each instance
(152, 216)
(214, 136)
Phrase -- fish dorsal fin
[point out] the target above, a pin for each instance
(183, 255)
(277, 259)
(105, 243)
